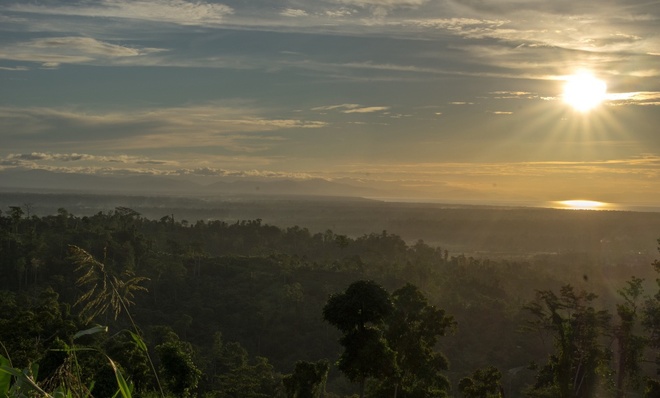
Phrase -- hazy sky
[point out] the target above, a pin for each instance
(436, 99)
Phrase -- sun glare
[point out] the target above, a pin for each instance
(584, 92)
(583, 204)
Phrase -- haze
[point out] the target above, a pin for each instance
(410, 99)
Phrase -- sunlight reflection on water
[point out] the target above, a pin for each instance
(581, 204)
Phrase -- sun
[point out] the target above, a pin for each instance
(584, 92)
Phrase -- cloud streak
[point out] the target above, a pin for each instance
(169, 11)
(351, 108)
(53, 51)
(231, 128)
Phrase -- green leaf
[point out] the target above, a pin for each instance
(34, 371)
(61, 392)
(124, 387)
(138, 340)
(93, 330)
(11, 371)
(5, 377)
(90, 388)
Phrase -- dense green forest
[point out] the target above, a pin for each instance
(247, 309)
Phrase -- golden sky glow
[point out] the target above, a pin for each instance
(505, 101)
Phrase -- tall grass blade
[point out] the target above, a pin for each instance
(138, 340)
(124, 387)
(5, 377)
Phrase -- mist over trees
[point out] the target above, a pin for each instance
(213, 308)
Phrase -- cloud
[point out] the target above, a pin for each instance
(219, 172)
(233, 128)
(332, 107)
(367, 109)
(53, 51)
(384, 3)
(351, 108)
(171, 11)
(293, 12)
(465, 26)
(513, 95)
(338, 13)
(380, 9)
(15, 68)
(81, 157)
(643, 98)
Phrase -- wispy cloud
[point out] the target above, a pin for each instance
(332, 107)
(231, 128)
(219, 172)
(59, 50)
(367, 109)
(293, 12)
(14, 68)
(172, 11)
(351, 108)
(643, 98)
(384, 3)
(82, 157)
(338, 13)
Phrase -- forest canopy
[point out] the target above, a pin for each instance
(227, 309)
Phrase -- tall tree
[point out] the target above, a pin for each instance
(630, 345)
(576, 328)
(651, 321)
(484, 383)
(177, 368)
(412, 331)
(307, 380)
(359, 313)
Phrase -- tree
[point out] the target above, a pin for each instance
(576, 328)
(307, 380)
(177, 369)
(359, 312)
(651, 321)
(630, 345)
(231, 374)
(412, 331)
(484, 383)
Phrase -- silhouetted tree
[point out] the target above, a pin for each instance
(576, 328)
(484, 383)
(359, 313)
(412, 331)
(307, 380)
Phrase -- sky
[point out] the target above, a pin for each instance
(420, 99)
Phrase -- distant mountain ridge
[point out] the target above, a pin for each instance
(148, 184)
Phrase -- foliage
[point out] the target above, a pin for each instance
(67, 381)
(264, 287)
(412, 331)
(630, 344)
(576, 328)
(391, 339)
(651, 322)
(483, 383)
(234, 376)
(307, 380)
(359, 312)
